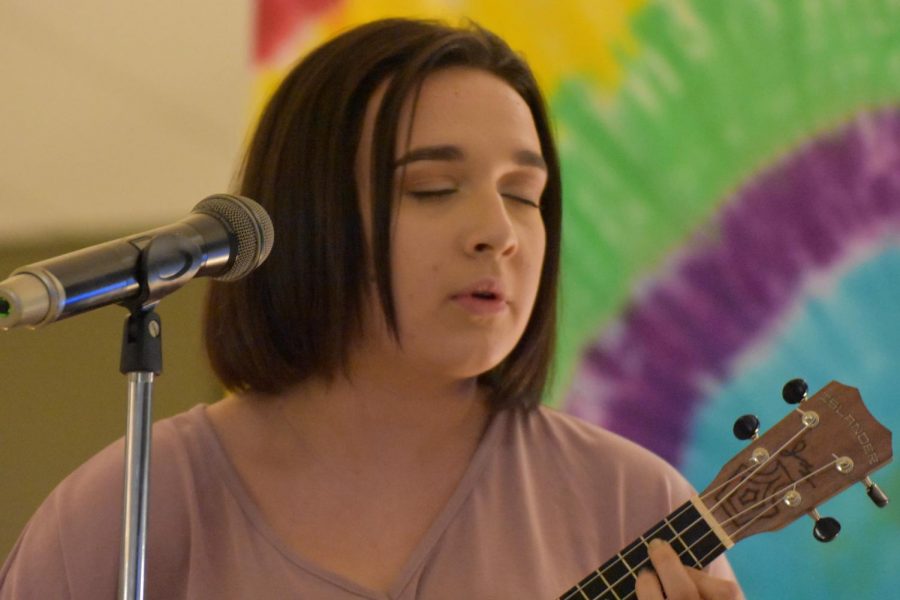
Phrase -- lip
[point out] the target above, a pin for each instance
(482, 306)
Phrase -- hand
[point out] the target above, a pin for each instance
(675, 581)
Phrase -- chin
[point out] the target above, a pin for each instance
(477, 369)
(467, 361)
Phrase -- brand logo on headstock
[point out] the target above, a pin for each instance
(853, 425)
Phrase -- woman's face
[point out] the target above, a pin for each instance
(467, 242)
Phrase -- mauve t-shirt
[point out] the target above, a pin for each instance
(546, 499)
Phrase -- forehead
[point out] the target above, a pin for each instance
(458, 105)
(466, 103)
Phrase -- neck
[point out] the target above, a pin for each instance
(396, 419)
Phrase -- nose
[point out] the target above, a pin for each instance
(491, 230)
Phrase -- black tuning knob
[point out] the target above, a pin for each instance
(875, 494)
(746, 427)
(826, 529)
(794, 391)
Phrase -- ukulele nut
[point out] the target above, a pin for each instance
(810, 418)
(793, 498)
(844, 464)
(759, 456)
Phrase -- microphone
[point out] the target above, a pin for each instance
(224, 237)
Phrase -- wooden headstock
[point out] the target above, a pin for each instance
(829, 442)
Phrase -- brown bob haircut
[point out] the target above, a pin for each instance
(297, 316)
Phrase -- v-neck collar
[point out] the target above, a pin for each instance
(420, 552)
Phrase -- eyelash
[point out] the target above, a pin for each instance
(426, 194)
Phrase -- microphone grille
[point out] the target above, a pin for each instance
(250, 224)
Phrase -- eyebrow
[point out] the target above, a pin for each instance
(455, 153)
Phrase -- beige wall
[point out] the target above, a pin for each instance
(116, 117)
(118, 114)
(62, 397)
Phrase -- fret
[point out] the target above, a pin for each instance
(596, 586)
(613, 570)
(600, 577)
(703, 544)
(634, 555)
(685, 529)
(670, 534)
(688, 525)
(611, 581)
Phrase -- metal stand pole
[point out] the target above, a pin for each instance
(137, 465)
(141, 361)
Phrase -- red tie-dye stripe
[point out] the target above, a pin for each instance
(278, 20)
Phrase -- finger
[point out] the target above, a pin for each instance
(672, 574)
(713, 588)
(647, 586)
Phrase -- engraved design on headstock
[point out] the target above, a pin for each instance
(804, 467)
(747, 499)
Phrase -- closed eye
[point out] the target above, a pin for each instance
(525, 201)
(431, 193)
(440, 193)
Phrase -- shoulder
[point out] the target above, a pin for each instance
(71, 544)
(100, 479)
(98, 483)
(572, 438)
(585, 455)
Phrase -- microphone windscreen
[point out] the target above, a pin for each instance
(251, 226)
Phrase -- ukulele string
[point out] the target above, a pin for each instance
(739, 514)
(768, 459)
(576, 592)
(771, 497)
(793, 484)
(598, 574)
(714, 507)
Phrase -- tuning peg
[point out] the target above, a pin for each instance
(746, 427)
(875, 494)
(794, 391)
(826, 528)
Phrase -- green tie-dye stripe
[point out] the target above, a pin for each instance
(718, 90)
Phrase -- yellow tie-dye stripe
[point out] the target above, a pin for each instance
(587, 38)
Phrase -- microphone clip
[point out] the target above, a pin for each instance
(167, 262)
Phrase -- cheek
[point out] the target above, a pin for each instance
(534, 253)
(418, 264)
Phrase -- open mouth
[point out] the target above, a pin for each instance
(482, 303)
(484, 295)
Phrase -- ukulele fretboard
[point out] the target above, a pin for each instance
(685, 529)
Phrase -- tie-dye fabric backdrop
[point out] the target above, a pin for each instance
(732, 203)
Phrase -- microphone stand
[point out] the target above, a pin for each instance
(167, 262)
(141, 362)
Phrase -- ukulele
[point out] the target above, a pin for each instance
(826, 444)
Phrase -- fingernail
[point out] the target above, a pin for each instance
(656, 543)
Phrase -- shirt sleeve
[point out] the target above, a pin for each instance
(36, 568)
(69, 549)
(721, 568)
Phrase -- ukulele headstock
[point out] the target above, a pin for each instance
(826, 444)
